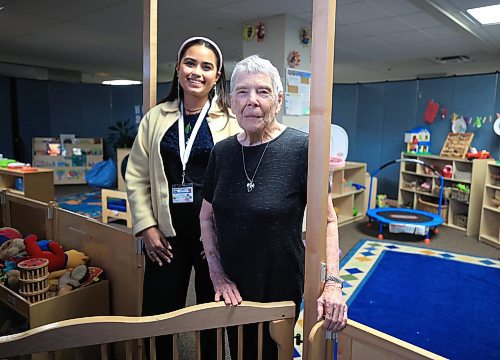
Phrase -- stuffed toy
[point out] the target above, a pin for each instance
(12, 280)
(75, 258)
(7, 233)
(12, 248)
(56, 256)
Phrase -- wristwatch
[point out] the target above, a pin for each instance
(331, 278)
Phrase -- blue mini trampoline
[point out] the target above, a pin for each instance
(389, 215)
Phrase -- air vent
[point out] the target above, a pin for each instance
(456, 59)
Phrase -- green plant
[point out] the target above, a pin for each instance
(122, 134)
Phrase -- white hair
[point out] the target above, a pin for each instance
(255, 64)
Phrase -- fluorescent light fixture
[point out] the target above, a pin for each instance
(121, 82)
(486, 15)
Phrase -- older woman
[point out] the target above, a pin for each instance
(254, 198)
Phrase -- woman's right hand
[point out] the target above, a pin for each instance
(156, 246)
(226, 288)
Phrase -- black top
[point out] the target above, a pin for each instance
(185, 217)
(259, 233)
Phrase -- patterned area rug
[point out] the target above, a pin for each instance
(431, 298)
(87, 204)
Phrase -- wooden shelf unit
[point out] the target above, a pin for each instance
(489, 230)
(462, 215)
(68, 168)
(38, 185)
(346, 198)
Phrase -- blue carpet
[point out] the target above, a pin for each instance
(445, 306)
(87, 204)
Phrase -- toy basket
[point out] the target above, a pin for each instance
(460, 220)
(495, 179)
(460, 195)
(432, 208)
(34, 275)
(463, 175)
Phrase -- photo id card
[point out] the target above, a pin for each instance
(182, 194)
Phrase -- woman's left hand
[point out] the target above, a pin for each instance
(332, 308)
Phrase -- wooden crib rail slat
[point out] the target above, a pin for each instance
(240, 342)
(282, 333)
(152, 348)
(197, 345)
(260, 333)
(175, 346)
(98, 330)
(220, 343)
(104, 351)
(129, 350)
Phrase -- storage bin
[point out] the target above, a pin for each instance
(432, 208)
(460, 220)
(463, 175)
(495, 179)
(459, 195)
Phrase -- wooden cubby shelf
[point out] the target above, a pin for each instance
(419, 189)
(489, 230)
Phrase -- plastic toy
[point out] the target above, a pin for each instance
(474, 154)
(358, 186)
(447, 171)
(418, 141)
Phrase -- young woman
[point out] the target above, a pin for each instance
(164, 180)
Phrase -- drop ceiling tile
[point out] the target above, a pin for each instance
(405, 37)
(395, 7)
(61, 9)
(420, 20)
(442, 32)
(126, 15)
(384, 26)
(359, 12)
(11, 20)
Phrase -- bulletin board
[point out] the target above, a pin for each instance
(297, 92)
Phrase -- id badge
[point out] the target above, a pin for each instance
(182, 194)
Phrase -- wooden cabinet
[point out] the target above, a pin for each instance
(348, 192)
(37, 185)
(419, 189)
(70, 161)
(490, 213)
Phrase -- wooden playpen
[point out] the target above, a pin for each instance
(102, 330)
(356, 342)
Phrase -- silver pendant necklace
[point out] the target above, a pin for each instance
(250, 183)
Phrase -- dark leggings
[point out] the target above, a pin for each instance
(166, 287)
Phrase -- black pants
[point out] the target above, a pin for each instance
(166, 287)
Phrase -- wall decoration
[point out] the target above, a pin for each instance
(459, 125)
(456, 145)
(248, 32)
(305, 36)
(261, 31)
(431, 111)
(297, 92)
(293, 59)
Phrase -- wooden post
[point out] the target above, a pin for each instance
(150, 54)
(323, 35)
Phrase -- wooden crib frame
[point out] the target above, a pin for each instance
(103, 330)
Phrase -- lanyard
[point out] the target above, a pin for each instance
(185, 149)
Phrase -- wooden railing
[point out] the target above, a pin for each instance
(358, 342)
(104, 330)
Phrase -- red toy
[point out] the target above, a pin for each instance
(447, 171)
(483, 154)
(56, 256)
(8, 233)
